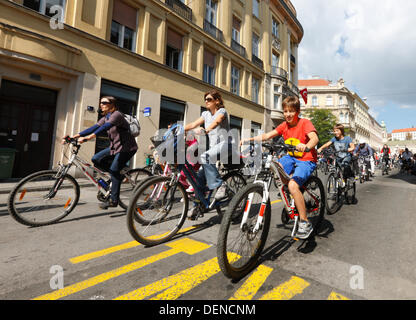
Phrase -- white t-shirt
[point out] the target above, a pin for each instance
(220, 133)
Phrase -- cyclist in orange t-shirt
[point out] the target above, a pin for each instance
(302, 134)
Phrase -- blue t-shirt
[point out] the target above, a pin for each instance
(342, 146)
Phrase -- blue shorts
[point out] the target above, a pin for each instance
(301, 172)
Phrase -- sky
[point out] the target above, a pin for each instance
(371, 44)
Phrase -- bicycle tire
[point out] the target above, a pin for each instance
(236, 269)
(334, 197)
(128, 185)
(41, 189)
(315, 214)
(350, 193)
(235, 181)
(151, 230)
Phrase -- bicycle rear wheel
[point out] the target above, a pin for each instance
(235, 182)
(314, 194)
(239, 247)
(350, 193)
(334, 196)
(156, 213)
(132, 178)
(42, 198)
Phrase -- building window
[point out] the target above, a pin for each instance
(211, 11)
(44, 6)
(329, 101)
(255, 128)
(209, 67)
(124, 25)
(341, 101)
(235, 80)
(236, 30)
(127, 99)
(314, 101)
(255, 86)
(275, 28)
(256, 45)
(276, 98)
(174, 50)
(171, 111)
(256, 8)
(236, 123)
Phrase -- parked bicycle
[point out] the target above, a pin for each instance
(48, 196)
(245, 225)
(159, 207)
(339, 188)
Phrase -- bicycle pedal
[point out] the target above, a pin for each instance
(296, 239)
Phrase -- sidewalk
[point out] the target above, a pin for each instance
(7, 185)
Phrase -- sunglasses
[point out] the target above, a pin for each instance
(105, 102)
(208, 99)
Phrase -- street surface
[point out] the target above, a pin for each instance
(364, 251)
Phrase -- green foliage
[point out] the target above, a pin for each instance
(324, 122)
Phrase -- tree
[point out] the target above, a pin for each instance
(324, 122)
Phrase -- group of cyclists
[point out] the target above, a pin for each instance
(296, 131)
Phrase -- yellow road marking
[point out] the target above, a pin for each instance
(124, 246)
(276, 201)
(176, 285)
(336, 296)
(184, 245)
(287, 290)
(250, 287)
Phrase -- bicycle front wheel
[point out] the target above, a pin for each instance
(235, 182)
(132, 178)
(334, 196)
(157, 211)
(239, 246)
(42, 198)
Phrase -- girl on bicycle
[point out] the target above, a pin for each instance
(122, 146)
(301, 133)
(215, 121)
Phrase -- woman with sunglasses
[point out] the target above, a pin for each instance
(215, 121)
(122, 146)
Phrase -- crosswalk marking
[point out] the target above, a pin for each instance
(287, 290)
(336, 296)
(184, 245)
(173, 287)
(124, 246)
(250, 287)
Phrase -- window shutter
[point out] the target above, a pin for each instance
(209, 59)
(174, 39)
(124, 14)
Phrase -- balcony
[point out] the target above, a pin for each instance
(257, 61)
(238, 48)
(292, 59)
(180, 8)
(279, 72)
(293, 87)
(213, 31)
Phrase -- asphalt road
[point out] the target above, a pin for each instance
(364, 251)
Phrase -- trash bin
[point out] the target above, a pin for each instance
(7, 156)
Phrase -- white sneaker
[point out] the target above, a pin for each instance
(304, 230)
(190, 189)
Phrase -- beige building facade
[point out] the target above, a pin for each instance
(157, 57)
(347, 106)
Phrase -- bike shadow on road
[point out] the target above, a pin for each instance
(409, 178)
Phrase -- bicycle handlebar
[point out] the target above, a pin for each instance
(278, 146)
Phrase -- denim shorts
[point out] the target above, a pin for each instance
(301, 172)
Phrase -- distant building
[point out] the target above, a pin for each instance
(403, 134)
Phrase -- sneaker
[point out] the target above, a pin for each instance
(194, 213)
(190, 189)
(221, 192)
(304, 230)
(108, 204)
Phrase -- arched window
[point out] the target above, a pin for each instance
(341, 117)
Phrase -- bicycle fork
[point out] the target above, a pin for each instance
(260, 217)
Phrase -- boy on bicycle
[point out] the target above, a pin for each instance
(343, 145)
(302, 134)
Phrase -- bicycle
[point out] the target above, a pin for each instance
(159, 207)
(363, 168)
(339, 189)
(48, 196)
(385, 166)
(245, 225)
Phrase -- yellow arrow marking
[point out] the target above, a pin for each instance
(124, 246)
(184, 245)
(286, 290)
(175, 286)
(250, 287)
(336, 296)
